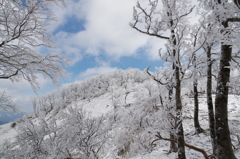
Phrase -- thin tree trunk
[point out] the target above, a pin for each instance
(178, 101)
(173, 145)
(209, 100)
(197, 126)
(179, 126)
(224, 146)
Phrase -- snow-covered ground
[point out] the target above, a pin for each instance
(200, 140)
(7, 133)
(102, 104)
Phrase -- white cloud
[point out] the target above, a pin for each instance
(96, 71)
(66, 46)
(153, 46)
(104, 67)
(107, 30)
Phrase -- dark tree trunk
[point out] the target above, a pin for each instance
(173, 145)
(209, 100)
(224, 146)
(197, 126)
(179, 126)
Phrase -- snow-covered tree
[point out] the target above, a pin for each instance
(23, 32)
(168, 22)
(225, 15)
(210, 62)
(6, 103)
(70, 133)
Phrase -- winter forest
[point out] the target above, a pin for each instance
(187, 108)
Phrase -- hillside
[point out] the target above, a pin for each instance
(115, 115)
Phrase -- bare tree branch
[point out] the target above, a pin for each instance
(154, 78)
(159, 137)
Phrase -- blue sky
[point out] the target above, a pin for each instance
(96, 34)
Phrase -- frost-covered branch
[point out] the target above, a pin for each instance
(154, 78)
(24, 30)
(148, 19)
(6, 103)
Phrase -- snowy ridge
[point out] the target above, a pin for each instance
(115, 115)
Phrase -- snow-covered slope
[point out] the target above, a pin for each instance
(7, 133)
(129, 102)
